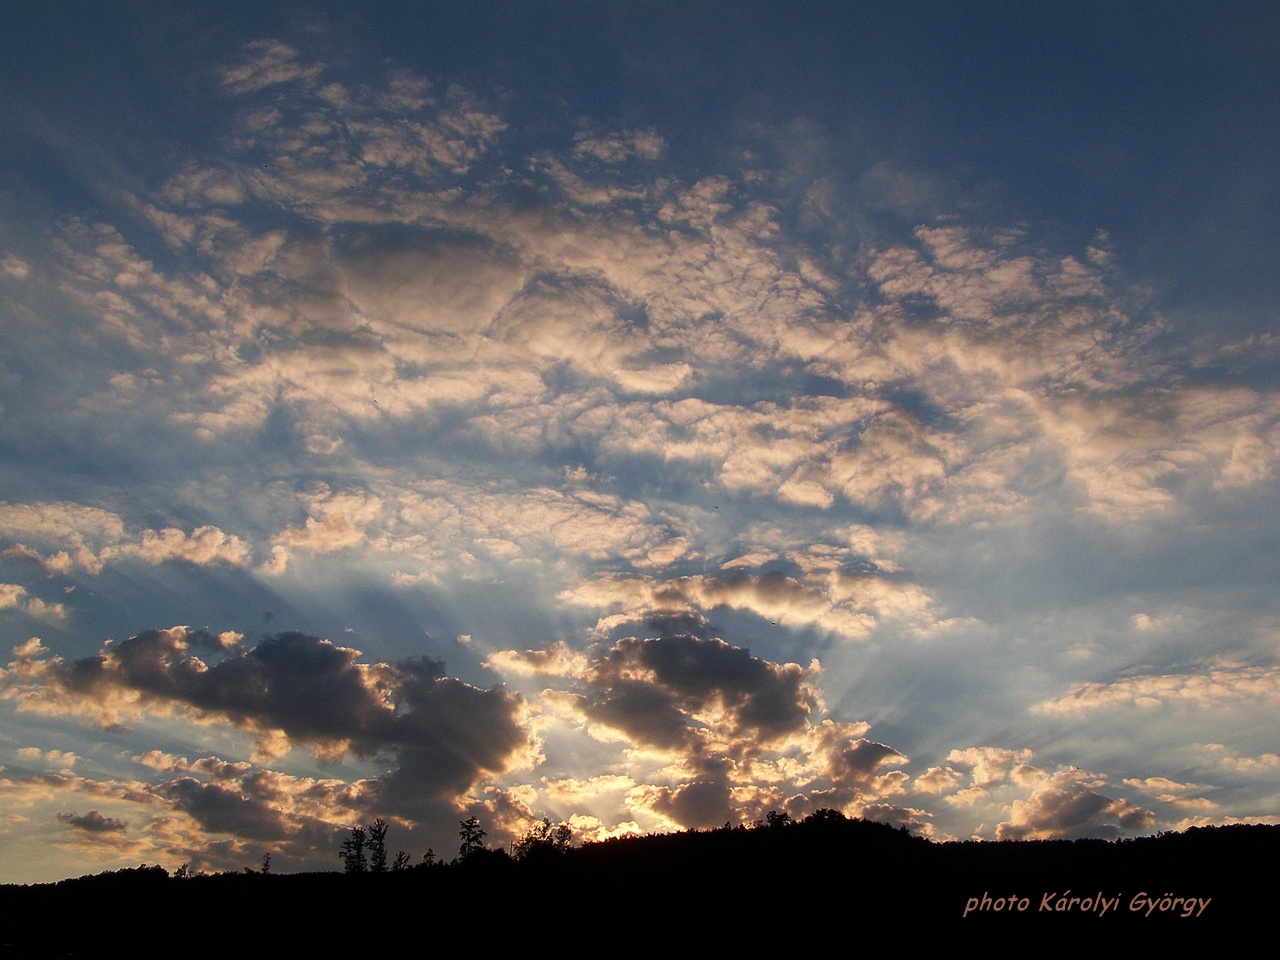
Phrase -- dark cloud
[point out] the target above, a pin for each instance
(216, 642)
(645, 712)
(743, 730)
(433, 282)
(856, 769)
(701, 803)
(860, 760)
(651, 687)
(224, 809)
(1065, 809)
(268, 807)
(93, 822)
(688, 623)
(306, 687)
(442, 734)
(450, 734)
(741, 727)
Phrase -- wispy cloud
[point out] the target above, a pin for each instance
(1220, 684)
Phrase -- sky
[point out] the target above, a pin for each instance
(643, 416)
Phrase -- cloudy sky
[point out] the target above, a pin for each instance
(639, 415)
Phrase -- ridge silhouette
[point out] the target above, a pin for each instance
(829, 874)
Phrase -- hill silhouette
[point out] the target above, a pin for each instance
(825, 880)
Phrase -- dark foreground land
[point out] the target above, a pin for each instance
(822, 883)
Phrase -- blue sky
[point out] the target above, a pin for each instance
(642, 417)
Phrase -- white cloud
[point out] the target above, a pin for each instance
(1062, 806)
(1221, 684)
(89, 537)
(10, 595)
(203, 545)
(61, 759)
(14, 267)
(14, 597)
(937, 780)
(844, 602)
(989, 765)
(1268, 764)
(646, 144)
(266, 63)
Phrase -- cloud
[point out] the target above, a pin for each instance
(1173, 792)
(555, 660)
(651, 688)
(474, 523)
(444, 734)
(204, 817)
(90, 537)
(14, 267)
(159, 760)
(1021, 361)
(1218, 685)
(266, 63)
(221, 809)
(14, 597)
(1063, 808)
(93, 822)
(79, 529)
(429, 283)
(937, 780)
(990, 765)
(710, 733)
(296, 815)
(20, 551)
(645, 144)
(1163, 785)
(1266, 765)
(912, 818)
(571, 792)
(63, 759)
(203, 545)
(855, 767)
(692, 805)
(843, 601)
(10, 595)
(342, 519)
(1033, 803)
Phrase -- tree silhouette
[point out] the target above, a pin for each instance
(352, 853)
(542, 840)
(377, 843)
(472, 837)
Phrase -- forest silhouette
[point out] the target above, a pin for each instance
(828, 878)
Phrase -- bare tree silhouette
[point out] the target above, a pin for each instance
(377, 843)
